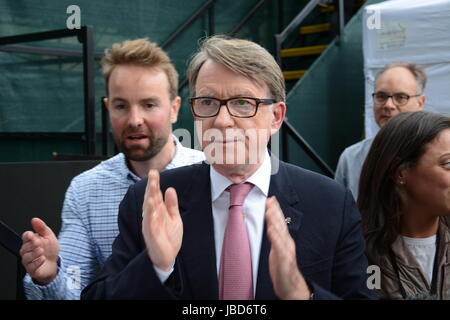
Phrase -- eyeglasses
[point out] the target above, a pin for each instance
(241, 107)
(399, 99)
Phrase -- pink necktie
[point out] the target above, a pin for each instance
(235, 274)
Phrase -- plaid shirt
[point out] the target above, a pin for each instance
(89, 223)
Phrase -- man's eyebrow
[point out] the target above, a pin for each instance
(401, 92)
(118, 99)
(205, 94)
(243, 94)
(234, 95)
(151, 99)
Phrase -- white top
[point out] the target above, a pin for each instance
(254, 209)
(424, 250)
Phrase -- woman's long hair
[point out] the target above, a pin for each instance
(399, 143)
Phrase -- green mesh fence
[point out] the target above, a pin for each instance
(41, 93)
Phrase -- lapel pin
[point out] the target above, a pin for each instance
(288, 220)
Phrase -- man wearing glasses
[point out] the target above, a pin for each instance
(236, 229)
(398, 88)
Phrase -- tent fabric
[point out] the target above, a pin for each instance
(408, 30)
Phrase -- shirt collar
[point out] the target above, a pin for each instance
(177, 159)
(130, 174)
(260, 178)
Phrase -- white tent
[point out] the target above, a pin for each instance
(408, 30)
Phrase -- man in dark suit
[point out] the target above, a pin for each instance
(244, 226)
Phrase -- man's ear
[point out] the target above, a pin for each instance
(106, 103)
(279, 113)
(174, 109)
(422, 99)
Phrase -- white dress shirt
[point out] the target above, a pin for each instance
(254, 210)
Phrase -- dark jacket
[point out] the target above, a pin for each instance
(412, 276)
(326, 227)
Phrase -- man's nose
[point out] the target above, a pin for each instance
(135, 117)
(390, 103)
(224, 118)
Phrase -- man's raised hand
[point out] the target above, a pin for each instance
(288, 282)
(39, 252)
(162, 226)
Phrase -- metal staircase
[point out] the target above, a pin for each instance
(313, 29)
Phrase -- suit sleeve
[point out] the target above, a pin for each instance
(349, 275)
(128, 273)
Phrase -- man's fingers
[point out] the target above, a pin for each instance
(277, 230)
(148, 206)
(272, 204)
(31, 244)
(270, 233)
(155, 191)
(27, 247)
(32, 255)
(153, 180)
(147, 187)
(156, 174)
(275, 237)
(172, 202)
(271, 215)
(32, 266)
(274, 215)
(40, 227)
(152, 177)
(27, 236)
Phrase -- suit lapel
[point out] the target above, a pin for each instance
(198, 256)
(198, 249)
(280, 187)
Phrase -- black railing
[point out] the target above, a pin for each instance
(293, 25)
(85, 36)
(289, 130)
(247, 18)
(12, 242)
(208, 6)
(47, 51)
